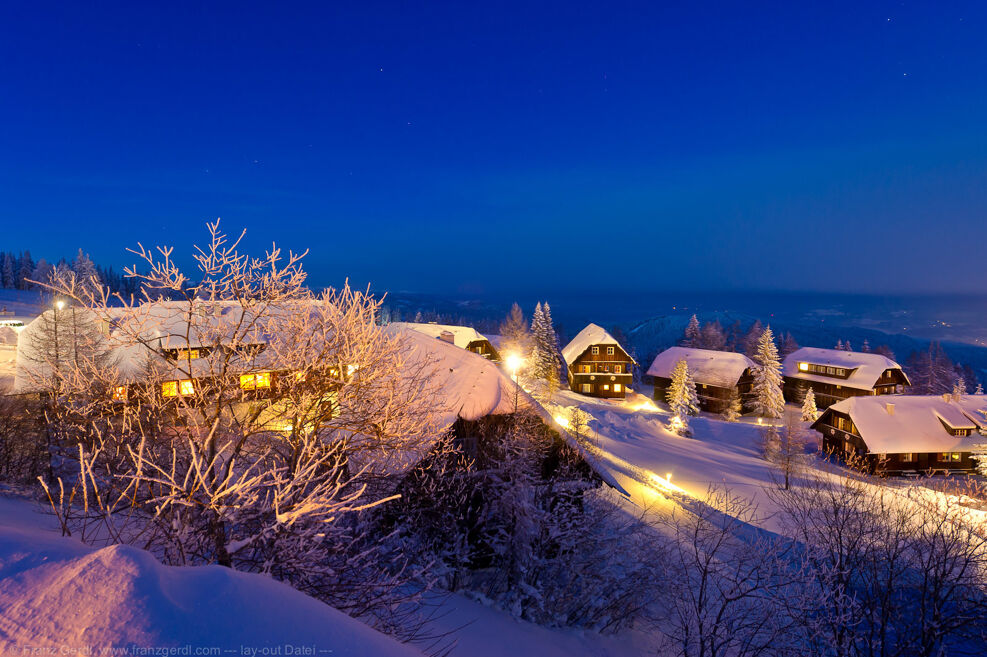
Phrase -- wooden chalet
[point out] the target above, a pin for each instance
(464, 337)
(719, 375)
(906, 434)
(598, 365)
(835, 375)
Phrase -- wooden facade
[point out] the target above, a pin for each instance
(892, 381)
(602, 370)
(841, 438)
(485, 349)
(712, 399)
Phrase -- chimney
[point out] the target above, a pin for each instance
(447, 336)
(890, 408)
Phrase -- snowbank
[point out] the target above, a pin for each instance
(58, 594)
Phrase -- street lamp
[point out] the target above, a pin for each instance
(514, 362)
(59, 305)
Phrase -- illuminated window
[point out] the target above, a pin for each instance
(907, 457)
(948, 456)
(618, 387)
(120, 393)
(186, 387)
(803, 367)
(188, 354)
(605, 386)
(586, 387)
(254, 381)
(595, 350)
(587, 369)
(169, 389)
(609, 351)
(616, 369)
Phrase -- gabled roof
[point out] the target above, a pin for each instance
(867, 368)
(588, 337)
(462, 335)
(714, 368)
(914, 422)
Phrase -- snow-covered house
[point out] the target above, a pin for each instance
(598, 366)
(835, 375)
(719, 375)
(907, 433)
(172, 341)
(464, 337)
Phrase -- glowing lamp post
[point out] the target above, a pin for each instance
(514, 363)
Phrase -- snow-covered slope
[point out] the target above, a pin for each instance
(58, 594)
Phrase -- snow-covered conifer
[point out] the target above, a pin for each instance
(681, 395)
(959, 388)
(839, 345)
(545, 354)
(809, 410)
(768, 398)
(979, 390)
(692, 331)
(865, 348)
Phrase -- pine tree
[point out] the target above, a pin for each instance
(979, 456)
(979, 390)
(681, 396)
(734, 407)
(24, 270)
(809, 410)
(846, 346)
(418, 317)
(515, 332)
(750, 339)
(691, 336)
(788, 345)
(9, 278)
(712, 336)
(545, 355)
(768, 399)
(866, 346)
(839, 345)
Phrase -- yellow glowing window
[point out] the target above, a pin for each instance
(169, 389)
(186, 387)
(617, 387)
(120, 393)
(616, 369)
(254, 381)
(803, 367)
(187, 354)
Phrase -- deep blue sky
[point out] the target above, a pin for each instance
(489, 147)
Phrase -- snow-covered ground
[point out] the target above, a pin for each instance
(57, 594)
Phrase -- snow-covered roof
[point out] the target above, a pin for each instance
(588, 337)
(867, 368)
(471, 386)
(462, 335)
(895, 424)
(714, 368)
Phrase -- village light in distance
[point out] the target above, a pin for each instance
(59, 305)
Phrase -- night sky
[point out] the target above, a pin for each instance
(487, 147)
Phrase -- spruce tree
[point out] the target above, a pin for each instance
(681, 396)
(750, 339)
(979, 390)
(545, 358)
(839, 345)
(692, 331)
(809, 410)
(768, 399)
(865, 348)
(9, 278)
